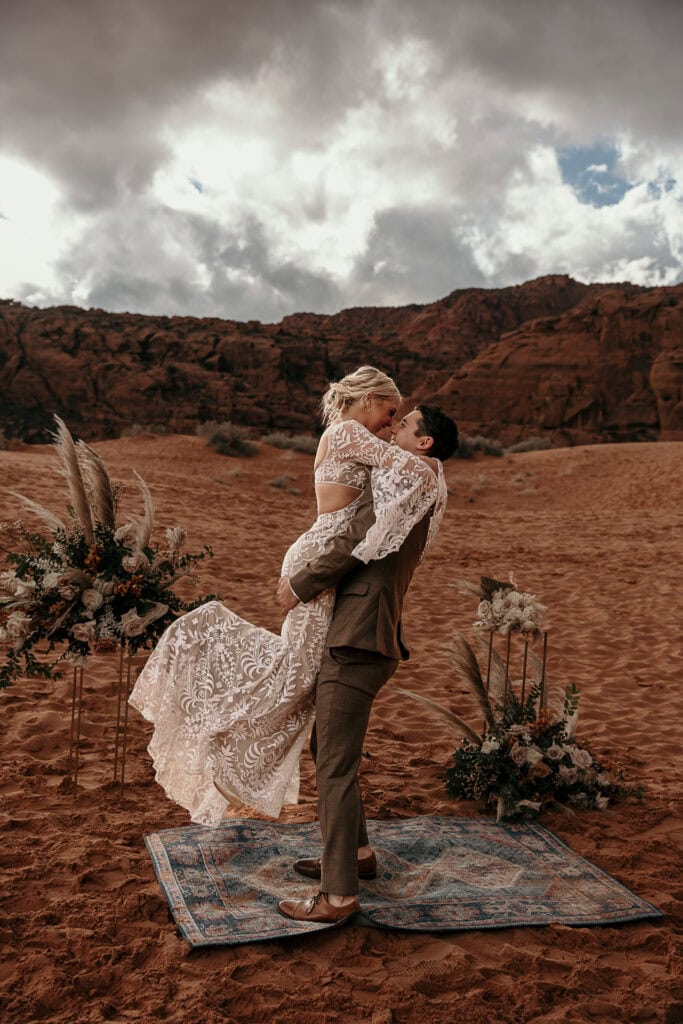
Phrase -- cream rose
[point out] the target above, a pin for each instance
(555, 752)
(490, 746)
(132, 563)
(14, 590)
(581, 758)
(127, 535)
(518, 754)
(51, 580)
(534, 755)
(92, 600)
(132, 624)
(18, 627)
(84, 631)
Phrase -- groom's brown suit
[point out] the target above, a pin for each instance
(364, 646)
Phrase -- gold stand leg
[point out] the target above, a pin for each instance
(125, 722)
(544, 685)
(526, 654)
(488, 663)
(507, 670)
(77, 672)
(119, 696)
(72, 730)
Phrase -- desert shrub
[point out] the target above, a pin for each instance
(306, 443)
(282, 482)
(467, 446)
(531, 444)
(278, 440)
(140, 429)
(227, 439)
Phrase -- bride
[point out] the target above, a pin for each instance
(231, 703)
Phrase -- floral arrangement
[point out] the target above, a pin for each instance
(90, 585)
(526, 756)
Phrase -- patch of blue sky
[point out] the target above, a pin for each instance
(591, 172)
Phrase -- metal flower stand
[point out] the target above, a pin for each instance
(508, 680)
(122, 688)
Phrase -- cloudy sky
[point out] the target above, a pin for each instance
(252, 158)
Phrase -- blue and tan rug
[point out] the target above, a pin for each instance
(434, 874)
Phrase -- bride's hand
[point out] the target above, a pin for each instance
(286, 597)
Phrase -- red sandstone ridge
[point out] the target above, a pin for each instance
(552, 356)
(611, 367)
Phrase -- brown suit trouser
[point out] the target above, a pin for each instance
(348, 681)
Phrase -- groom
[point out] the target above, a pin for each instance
(364, 647)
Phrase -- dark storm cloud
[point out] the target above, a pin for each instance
(87, 84)
(91, 92)
(419, 251)
(207, 271)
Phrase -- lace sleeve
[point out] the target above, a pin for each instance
(404, 488)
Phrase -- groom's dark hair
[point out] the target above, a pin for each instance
(441, 428)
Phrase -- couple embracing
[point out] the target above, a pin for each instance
(232, 704)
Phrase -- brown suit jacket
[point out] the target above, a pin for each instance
(367, 612)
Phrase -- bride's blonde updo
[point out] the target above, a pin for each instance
(366, 382)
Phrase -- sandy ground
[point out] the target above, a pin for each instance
(596, 532)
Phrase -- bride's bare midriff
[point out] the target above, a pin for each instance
(333, 497)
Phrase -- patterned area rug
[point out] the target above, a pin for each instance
(434, 874)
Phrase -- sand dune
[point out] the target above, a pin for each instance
(595, 532)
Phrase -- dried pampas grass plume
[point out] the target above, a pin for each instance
(100, 484)
(466, 665)
(445, 715)
(49, 518)
(71, 471)
(146, 524)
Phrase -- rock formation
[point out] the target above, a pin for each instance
(576, 362)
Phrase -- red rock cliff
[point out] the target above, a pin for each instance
(579, 362)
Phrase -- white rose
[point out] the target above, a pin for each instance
(490, 746)
(18, 627)
(127, 535)
(84, 631)
(534, 755)
(51, 580)
(92, 600)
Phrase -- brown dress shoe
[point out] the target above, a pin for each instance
(317, 908)
(367, 867)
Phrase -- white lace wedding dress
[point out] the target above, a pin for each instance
(232, 703)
